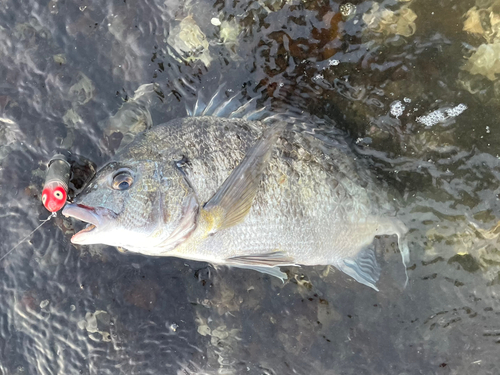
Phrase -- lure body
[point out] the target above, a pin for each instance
(55, 190)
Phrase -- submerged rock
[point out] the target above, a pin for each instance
(483, 20)
(131, 119)
(82, 91)
(388, 22)
(97, 325)
(485, 61)
(143, 294)
(189, 41)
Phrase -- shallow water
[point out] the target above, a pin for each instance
(394, 78)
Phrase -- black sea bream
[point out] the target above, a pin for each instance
(235, 192)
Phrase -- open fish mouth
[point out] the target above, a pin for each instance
(92, 216)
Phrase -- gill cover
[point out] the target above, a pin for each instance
(137, 205)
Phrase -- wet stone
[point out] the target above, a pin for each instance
(142, 294)
(97, 325)
(466, 261)
(389, 22)
(189, 41)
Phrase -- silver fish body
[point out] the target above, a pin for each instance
(239, 193)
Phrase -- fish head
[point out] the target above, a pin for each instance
(136, 205)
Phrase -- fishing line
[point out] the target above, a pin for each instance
(53, 214)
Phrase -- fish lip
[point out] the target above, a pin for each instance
(83, 213)
(93, 215)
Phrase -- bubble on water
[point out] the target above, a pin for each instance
(407, 100)
(453, 112)
(432, 118)
(44, 303)
(333, 62)
(215, 21)
(347, 10)
(53, 7)
(397, 108)
(488, 130)
(440, 115)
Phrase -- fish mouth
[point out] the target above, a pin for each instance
(93, 216)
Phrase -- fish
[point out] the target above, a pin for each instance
(222, 187)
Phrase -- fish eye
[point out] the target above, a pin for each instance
(44, 198)
(58, 194)
(122, 181)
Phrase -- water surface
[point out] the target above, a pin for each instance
(415, 92)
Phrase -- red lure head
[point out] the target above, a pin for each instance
(54, 196)
(55, 190)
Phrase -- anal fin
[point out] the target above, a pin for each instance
(273, 271)
(267, 263)
(363, 267)
(271, 259)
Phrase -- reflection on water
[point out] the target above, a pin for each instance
(414, 83)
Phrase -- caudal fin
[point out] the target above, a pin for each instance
(363, 267)
(405, 253)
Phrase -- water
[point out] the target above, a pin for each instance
(396, 77)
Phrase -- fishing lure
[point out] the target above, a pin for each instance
(66, 176)
(55, 190)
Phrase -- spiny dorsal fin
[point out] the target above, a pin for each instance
(232, 202)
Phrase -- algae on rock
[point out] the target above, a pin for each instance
(483, 20)
(388, 22)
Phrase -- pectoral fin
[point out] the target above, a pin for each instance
(232, 202)
(363, 267)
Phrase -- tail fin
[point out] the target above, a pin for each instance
(405, 253)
